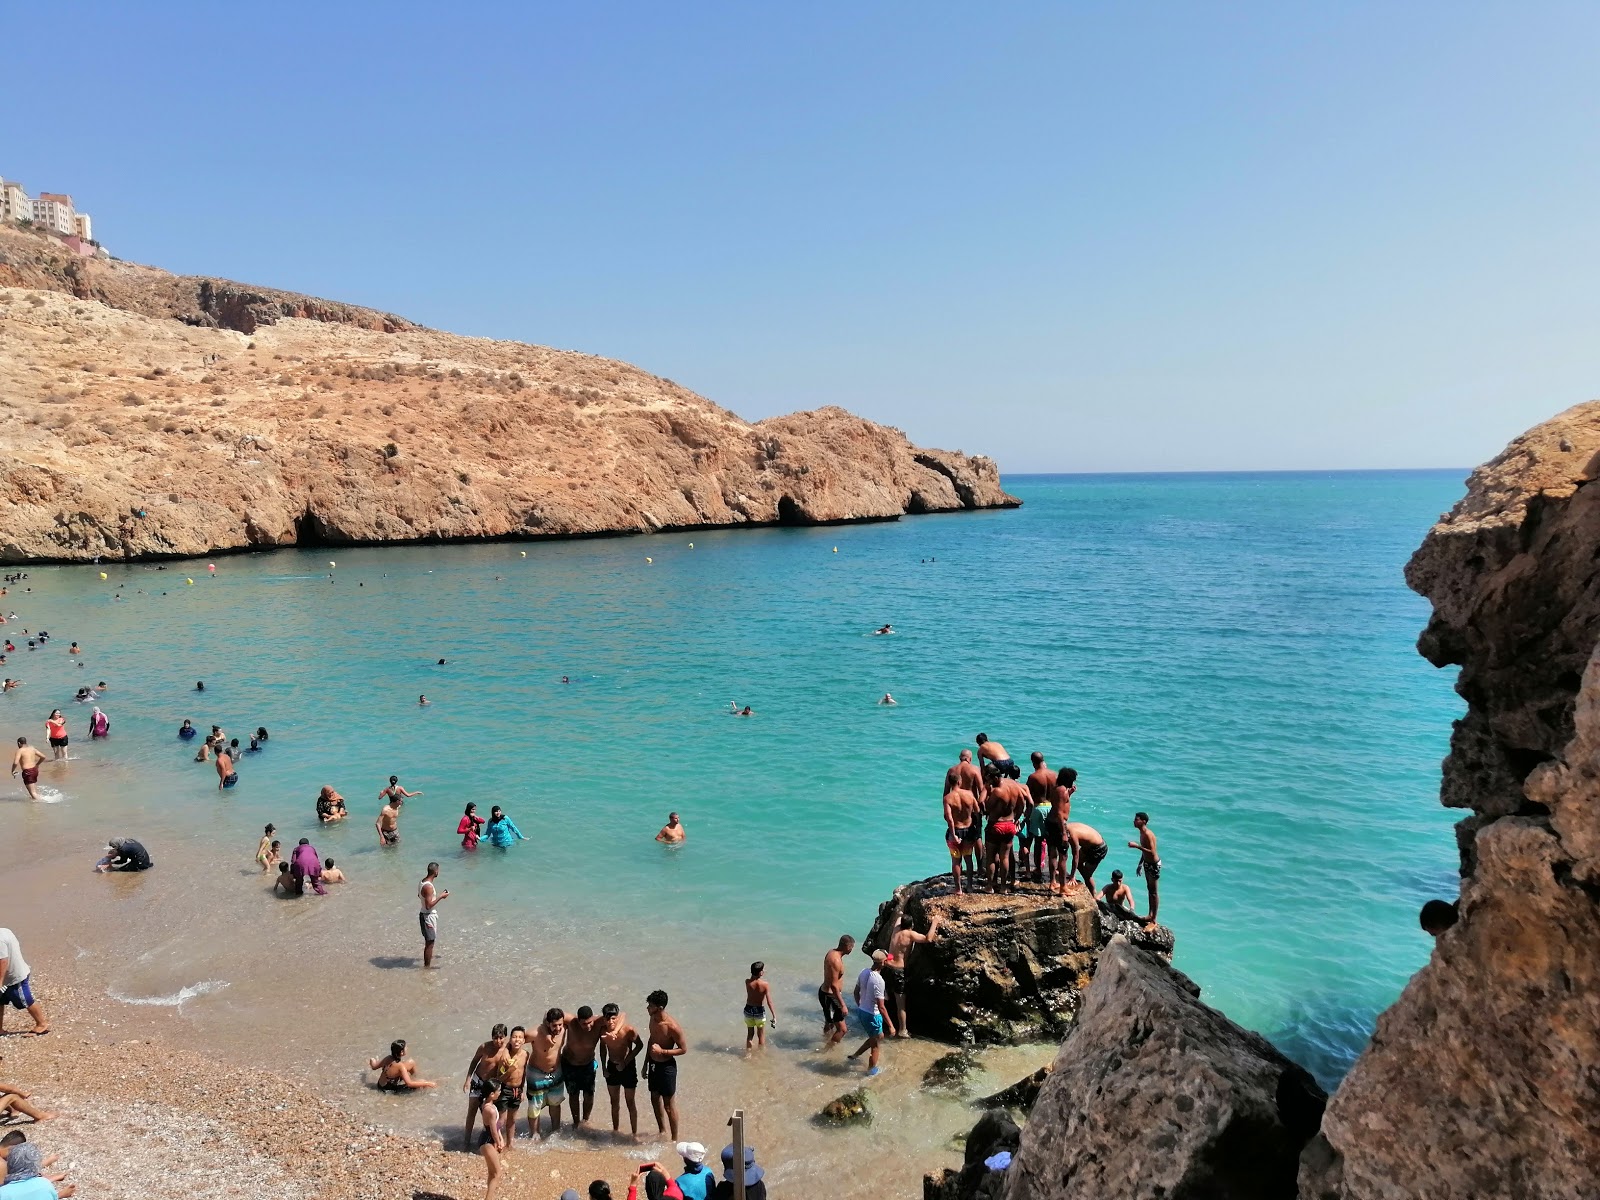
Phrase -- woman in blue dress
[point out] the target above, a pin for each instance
(502, 830)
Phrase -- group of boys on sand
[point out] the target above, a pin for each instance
(987, 809)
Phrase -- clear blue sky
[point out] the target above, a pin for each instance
(1073, 236)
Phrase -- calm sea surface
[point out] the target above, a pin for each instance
(1232, 653)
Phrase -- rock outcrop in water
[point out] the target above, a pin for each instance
(1155, 1096)
(1483, 1079)
(1005, 969)
(151, 415)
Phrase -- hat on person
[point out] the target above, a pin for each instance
(752, 1173)
(692, 1152)
(879, 957)
(569, 1194)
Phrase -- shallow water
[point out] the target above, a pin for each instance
(1233, 654)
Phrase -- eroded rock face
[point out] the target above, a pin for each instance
(1005, 969)
(1483, 1079)
(995, 1133)
(152, 416)
(1156, 1096)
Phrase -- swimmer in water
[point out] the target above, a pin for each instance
(261, 730)
(881, 630)
(56, 727)
(888, 699)
(501, 829)
(200, 685)
(226, 775)
(746, 711)
(440, 663)
(422, 701)
(673, 831)
(187, 730)
(73, 649)
(564, 679)
(331, 873)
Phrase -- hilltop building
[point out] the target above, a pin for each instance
(53, 212)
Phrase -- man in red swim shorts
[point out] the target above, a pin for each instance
(27, 760)
(1004, 804)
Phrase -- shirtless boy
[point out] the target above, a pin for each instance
(620, 1044)
(961, 833)
(578, 1061)
(667, 1044)
(1149, 862)
(831, 994)
(482, 1083)
(27, 760)
(545, 1089)
(995, 754)
(331, 873)
(512, 1077)
(757, 1003)
(1119, 899)
(1088, 851)
(388, 823)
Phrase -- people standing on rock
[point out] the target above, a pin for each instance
(901, 943)
(430, 898)
(995, 754)
(1004, 802)
(673, 831)
(964, 774)
(1149, 862)
(1118, 897)
(55, 727)
(579, 1062)
(831, 994)
(872, 1013)
(757, 1002)
(1088, 850)
(667, 1044)
(1041, 787)
(388, 823)
(396, 1072)
(961, 833)
(482, 1083)
(620, 1044)
(26, 760)
(1055, 822)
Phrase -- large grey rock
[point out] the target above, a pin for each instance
(1156, 1096)
(1483, 1079)
(994, 1133)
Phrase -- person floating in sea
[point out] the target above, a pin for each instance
(673, 831)
(482, 1084)
(620, 1044)
(1041, 791)
(888, 699)
(501, 830)
(423, 701)
(883, 629)
(995, 754)
(904, 940)
(25, 761)
(56, 728)
(396, 1072)
(261, 731)
(1118, 898)
(200, 685)
(872, 1013)
(331, 873)
(470, 827)
(265, 848)
(757, 1003)
(831, 994)
(667, 1044)
(961, 838)
(1149, 862)
(1055, 828)
(330, 806)
(545, 1089)
(1005, 800)
(1088, 849)
(430, 898)
(746, 711)
(579, 1062)
(388, 823)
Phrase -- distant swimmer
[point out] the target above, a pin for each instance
(26, 760)
(746, 711)
(564, 679)
(995, 753)
(331, 873)
(673, 831)
(200, 685)
(440, 663)
(261, 730)
(56, 727)
(254, 747)
(423, 701)
(396, 1072)
(187, 731)
(73, 649)
(883, 629)
(11, 685)
(388, 822)
(265, 847)
(888, 699)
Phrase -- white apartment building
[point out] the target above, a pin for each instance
(54, 212)
(82, 226)
(14, 202)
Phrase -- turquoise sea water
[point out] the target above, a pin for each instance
(1232, 653)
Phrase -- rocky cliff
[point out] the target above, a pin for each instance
(148, 414)
(1004, 969)
(1483, 1079)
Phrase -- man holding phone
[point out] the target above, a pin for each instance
(428, 917)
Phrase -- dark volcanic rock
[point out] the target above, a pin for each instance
(995, 1132)
(950, 1072)
(1005, 969)
(1156, 1096)
(1483, 1079)
(1021, 1095)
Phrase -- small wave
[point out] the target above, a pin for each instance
(49, 795)
(178, 998)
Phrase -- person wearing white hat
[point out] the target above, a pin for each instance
(696, 1182)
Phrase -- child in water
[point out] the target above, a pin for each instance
(470, 828)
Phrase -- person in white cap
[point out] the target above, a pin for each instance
(872, 1010)
(696, 1182)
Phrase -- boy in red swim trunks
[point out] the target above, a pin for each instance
(27, 760)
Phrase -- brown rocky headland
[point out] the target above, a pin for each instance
(152, 415)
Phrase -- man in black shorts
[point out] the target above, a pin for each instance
(667, 1044)
(620, 1044)
(830, 994)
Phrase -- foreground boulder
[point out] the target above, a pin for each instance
(1483, 1079)
(995, 1134)
(1005, 969)
(1156, 1096)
